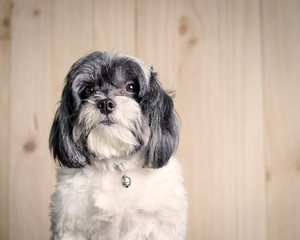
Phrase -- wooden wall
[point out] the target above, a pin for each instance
(235, 65)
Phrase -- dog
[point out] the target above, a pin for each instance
(114, 135)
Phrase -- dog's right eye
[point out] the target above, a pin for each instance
(89, 91)
(132, 88)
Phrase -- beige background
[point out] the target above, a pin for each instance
(235, 65)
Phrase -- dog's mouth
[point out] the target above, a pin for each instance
(107, 122)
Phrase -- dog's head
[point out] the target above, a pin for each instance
(112, 107)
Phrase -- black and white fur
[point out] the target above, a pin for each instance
(115, 118)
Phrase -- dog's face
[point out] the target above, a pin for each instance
(113, 107)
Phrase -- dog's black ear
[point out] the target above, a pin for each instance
(61, 139)
(157, 105)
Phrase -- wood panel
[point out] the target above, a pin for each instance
(5, 114)
(281, 31)
(30, 95)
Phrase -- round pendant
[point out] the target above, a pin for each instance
(126, 181)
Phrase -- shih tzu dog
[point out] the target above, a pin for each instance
(114, 135)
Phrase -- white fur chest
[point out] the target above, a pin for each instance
(94, 201)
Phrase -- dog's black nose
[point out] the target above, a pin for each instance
(106, 106)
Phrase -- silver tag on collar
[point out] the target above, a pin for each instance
(126, 181)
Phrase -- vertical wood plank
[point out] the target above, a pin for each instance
(281, 30)
(5, 136)
(242, 124)
(5, 12)
(30, 166)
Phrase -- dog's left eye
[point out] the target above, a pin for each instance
(132, 88)
(89, 91)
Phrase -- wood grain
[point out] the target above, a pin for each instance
(5, 12)
(4, 137)
(156, 38)
(220, 102)
(5, 115)
(30, 169)
(114, 26)
(281, 31)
